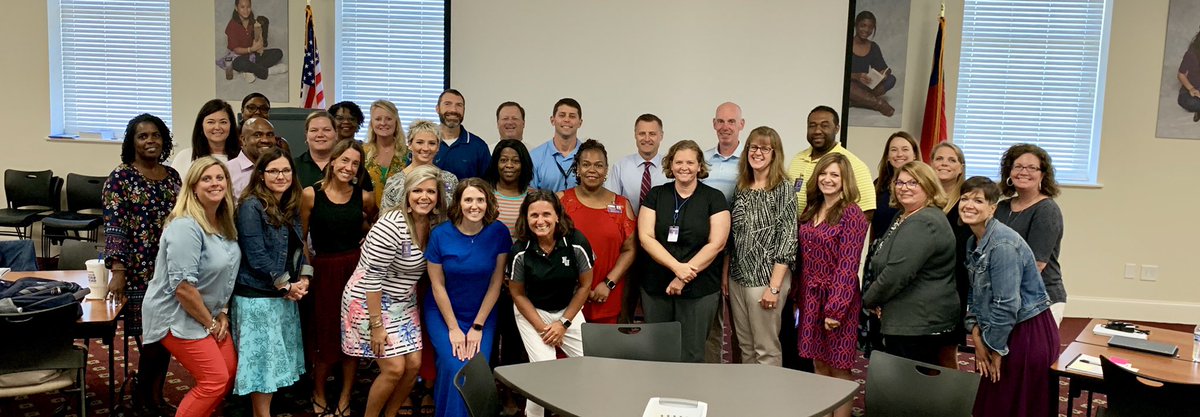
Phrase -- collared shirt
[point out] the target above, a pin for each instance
(467, 157)
(550, 279)
(552, 170)
(205, 261)
(240, 169)
(722, 172)
(1006, 287)
(625, 177)
(801, 170)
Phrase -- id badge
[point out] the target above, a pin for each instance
(673, 234)
(799, 185)
(615, 209)
(406, 248)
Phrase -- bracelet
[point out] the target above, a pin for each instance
(212, 326)
(377, 323)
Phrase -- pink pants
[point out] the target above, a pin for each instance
(212, 363)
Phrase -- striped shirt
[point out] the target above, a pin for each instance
(764, 234)
(510, 209)
(391, 258)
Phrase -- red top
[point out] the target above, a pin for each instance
(606, 232)
(238, 36)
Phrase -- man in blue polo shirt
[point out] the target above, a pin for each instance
(462, 153)
(552, 160)
(723, 158)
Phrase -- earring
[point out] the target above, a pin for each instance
(1008, 181)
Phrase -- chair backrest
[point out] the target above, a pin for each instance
(75, 254)
(900, 387)
(1131, 394)
(30, 189)
(661, 342)
(85, 192)
(478, 387)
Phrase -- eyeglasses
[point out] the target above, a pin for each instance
(346, 119)
(761, 149)
(906, 184)
(251, 108)
(1026, 168)
(278, 172)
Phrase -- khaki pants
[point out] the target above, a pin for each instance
(757, 329)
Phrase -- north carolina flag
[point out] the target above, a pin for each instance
(312, 91)
(933, 129)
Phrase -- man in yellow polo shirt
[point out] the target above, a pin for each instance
(822, 138)
(823, 127)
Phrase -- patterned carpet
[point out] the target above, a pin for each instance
(294, 401)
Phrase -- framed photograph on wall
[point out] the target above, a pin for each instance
(1179, 94)
(879, 54)
(251, 39)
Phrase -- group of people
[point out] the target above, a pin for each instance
(428, 238)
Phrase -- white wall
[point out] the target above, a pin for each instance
(1141, 214)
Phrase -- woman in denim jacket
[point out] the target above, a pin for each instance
(1008, 312)
(272, 277)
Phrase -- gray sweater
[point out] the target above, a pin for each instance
(915, 279)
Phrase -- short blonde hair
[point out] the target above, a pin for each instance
(189, 205)
(926, 179)
(682, 145)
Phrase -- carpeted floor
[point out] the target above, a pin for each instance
(294, 401)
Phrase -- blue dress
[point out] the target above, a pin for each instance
(467, 263)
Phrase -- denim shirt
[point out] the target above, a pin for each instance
(1005, 276)
(264, 250)
(205, 261)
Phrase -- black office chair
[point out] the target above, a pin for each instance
(900, 387)
(83, 216)
(76, 253)
(30, 196)
(45, 346)
(478, 387)
(661, 342)
(1134, 395)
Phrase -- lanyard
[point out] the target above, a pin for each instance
(678, 206)
(565, 173)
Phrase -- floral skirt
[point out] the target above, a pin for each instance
(401, 323)
(269, 347)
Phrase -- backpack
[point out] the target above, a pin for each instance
(30, 295)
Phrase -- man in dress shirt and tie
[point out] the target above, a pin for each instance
(633, 175)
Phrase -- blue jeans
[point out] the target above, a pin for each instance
(18, 255)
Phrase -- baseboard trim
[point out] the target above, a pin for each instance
(1133, 309)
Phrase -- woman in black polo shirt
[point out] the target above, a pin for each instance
(550, 272)
(683, 226)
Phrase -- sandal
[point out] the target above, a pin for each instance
(320, 410)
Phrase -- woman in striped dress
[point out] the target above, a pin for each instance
(379, 306)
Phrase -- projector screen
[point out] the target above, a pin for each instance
(677, 59)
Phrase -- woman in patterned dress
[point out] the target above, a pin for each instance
(606, 220)
(379, 306)
(832, 232)
(764, 247)
(138, 195)
(385, 150)
(272, 277)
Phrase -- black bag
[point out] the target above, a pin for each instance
(40, 304)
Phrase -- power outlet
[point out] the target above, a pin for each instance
(1149, 272)
(1131, 271)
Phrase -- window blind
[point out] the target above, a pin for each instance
(392, 50)
(1033, 72)
(113, 59)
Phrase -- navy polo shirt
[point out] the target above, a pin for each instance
(468, 157)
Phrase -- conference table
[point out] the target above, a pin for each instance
(99, 320)
(593, 386)
(1179, 369)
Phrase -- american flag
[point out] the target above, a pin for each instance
(312, 91)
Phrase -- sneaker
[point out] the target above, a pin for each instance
(280, 68)
(249, 76)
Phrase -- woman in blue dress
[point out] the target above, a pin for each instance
(466, 267)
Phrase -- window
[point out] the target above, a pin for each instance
(109, 61)
(1033, 71)
(392, 50)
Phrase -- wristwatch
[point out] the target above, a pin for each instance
(774, 290)
(566, 323)
(610, 284)
(477, 326)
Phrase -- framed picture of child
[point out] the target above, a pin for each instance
(878, 57)
(251, 39)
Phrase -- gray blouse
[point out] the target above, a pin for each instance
(764, 234)
(207, 262)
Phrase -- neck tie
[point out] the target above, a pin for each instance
(645, 182)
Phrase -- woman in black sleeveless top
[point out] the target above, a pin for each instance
(335, 214)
